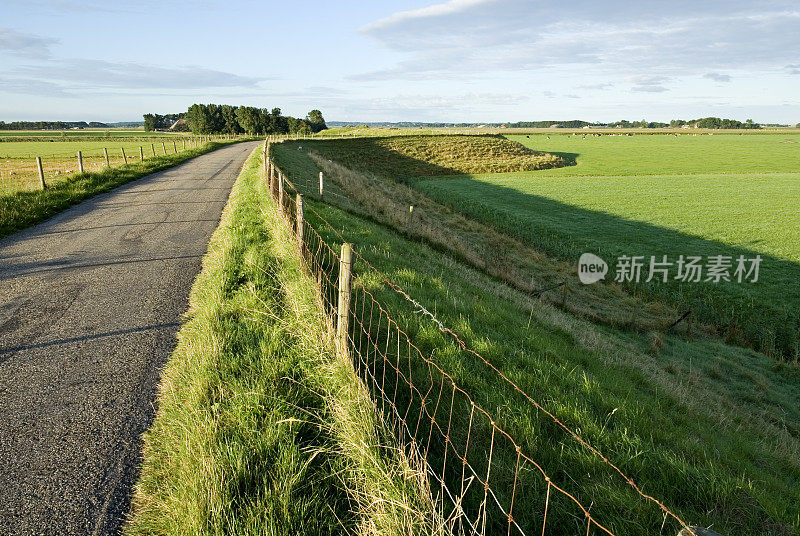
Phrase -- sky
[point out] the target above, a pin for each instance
(415, 60)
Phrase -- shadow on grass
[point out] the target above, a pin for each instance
(571, 158)
(764, 315)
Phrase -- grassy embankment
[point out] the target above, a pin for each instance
(641, 195)
(709, 428)
(261, 428)
(19, 210)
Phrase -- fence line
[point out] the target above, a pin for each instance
(475, 488)
(39, 171)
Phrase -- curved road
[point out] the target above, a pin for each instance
(90, 302)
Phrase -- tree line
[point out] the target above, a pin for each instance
(50, 125)
(227, 119)
(715, 122)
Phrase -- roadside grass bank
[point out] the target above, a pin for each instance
(710, 429)
(261, 427)
(19, 210)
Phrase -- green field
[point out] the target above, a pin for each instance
(708, 427)
(640, 195)
(19, 172)
(85, 133)
(706, 195)
(69, 149)
(23, 203)
(664, 154)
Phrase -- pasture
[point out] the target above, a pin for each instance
(86, 133)
(661, 195)
(19, 172)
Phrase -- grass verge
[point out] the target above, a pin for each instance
(261, 428)
(22, 209)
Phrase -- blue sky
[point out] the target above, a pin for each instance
(462, 60)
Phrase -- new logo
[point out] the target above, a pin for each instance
(591, 268)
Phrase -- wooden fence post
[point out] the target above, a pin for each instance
(174, 147)
(184, 144)
(343, 312)
(153, 147)
(280, 192)
(301, 214)
(80, 162)
(410, 219)
(164, 146)
(41, 171)
(141, 153)
(124, 156)
(108, 162)
(321, 185)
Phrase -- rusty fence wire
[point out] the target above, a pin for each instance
(477, 472)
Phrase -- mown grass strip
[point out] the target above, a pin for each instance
(261, 427)
(22, 209)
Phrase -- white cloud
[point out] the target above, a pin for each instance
(22, 44)
(74, 77)
(464, 38)
(717, 77)
(414, 15)
(130, 75)
(649, 89)
(602, 85)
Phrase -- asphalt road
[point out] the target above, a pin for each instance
(90, 303)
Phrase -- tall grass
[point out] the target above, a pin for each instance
(261, 428)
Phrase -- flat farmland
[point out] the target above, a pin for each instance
(654, 195)
(86, 133)
(18, 169)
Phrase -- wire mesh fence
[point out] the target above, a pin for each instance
(478, 473)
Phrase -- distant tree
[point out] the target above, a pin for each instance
(279, 124)
(155, 122)
(250, 119)
(149, 122)
(316, 121)
(198, 119)
(230, 124)
(716, 122)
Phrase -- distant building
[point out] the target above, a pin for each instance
(179, 125)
